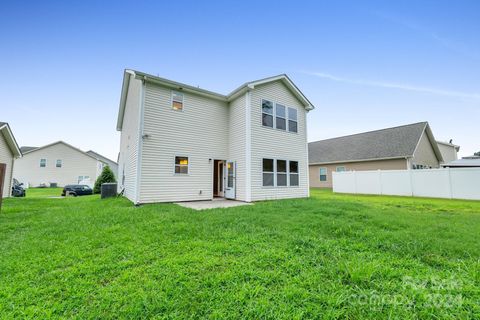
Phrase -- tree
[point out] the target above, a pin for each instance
(477, 154)
(105, 177)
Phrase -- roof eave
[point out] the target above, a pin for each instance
(359, 160)
(12, 143)
(123, 97)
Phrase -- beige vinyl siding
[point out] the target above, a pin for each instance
(391, 164)
(237, 143)
(424, 153)
(129, 139)
(449, 153)
(6, 156)
(277, 144)
(74, 164)
(199, 132)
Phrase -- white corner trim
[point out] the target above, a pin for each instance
(140, 141)
(248, 147)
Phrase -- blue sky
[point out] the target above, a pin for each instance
(365, 64)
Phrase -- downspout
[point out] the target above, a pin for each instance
(248, 146)
(140, 141)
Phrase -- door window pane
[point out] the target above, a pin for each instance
(230, 174)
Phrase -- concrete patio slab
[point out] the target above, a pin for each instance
(212, 204)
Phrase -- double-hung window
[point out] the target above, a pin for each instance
(267, 113)
(268, 173)
(181, 165)
(43, 163)
(293, 171)
(58, 164)
(281, 173)
(323, 174)
(292, 120)
(276, 115)
(177, 101)
(280, 117)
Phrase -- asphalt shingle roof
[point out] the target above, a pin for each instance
(394, 142)
(27, 149)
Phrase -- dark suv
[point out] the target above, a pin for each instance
(77, 190)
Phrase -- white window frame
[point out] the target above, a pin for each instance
(288, 121)
(285, 173)
(40, 164)
(175, 165)
(320, 174)
(343, 167)
(296, 173)
(173, 93)
(284, 118)
(273, 172)
(57, 162)
(273, 114)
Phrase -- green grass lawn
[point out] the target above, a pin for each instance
(43, 192)
(330, 256)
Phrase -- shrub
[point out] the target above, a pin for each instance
(105, 177)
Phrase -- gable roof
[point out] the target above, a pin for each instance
(100, 157)
(448, 144)
(27, 149)
(59, 142)
(202, 92)
(10, 138)
(390, 143)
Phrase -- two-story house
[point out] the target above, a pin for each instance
(182, 143)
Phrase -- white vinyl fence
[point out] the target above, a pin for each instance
(451, 183)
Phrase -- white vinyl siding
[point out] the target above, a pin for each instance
(74, 163)
(6, 156)
(237, 143)
(277, 144)
(129, 139)
(199, 133)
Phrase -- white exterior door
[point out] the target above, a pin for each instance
(230, 175)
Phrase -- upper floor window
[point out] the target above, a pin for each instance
(292, 120)
(58, 164)
(276, 115)
(177, 101)
(323, 174)
(181, 165)
(43, 163)
(267, 113)
(280, 117)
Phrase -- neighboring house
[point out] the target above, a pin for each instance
(104, 161)
(182, 143)
(465, 162)
(410, 146)
(56, 163)
(9, 151)
(448, 150)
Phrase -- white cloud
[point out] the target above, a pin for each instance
(400, 86)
